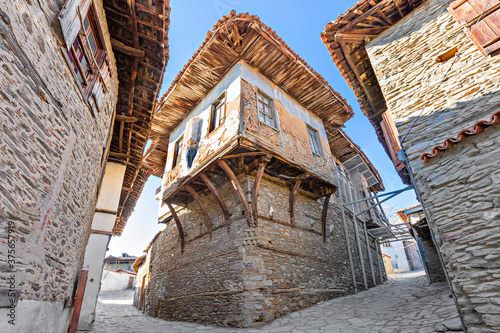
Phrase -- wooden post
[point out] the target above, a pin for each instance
(293, 195)
(75, 316)
(323, 216)
(197, 198)
(239, 190)
(256, 184)
(178, 223)
(215, 193)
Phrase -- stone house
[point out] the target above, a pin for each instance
(414, 217)
(426, 75)
(255, 169)
(78, 84)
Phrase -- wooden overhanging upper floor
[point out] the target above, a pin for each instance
(138, 42)
(241, 38)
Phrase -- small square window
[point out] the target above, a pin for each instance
(313, 137)
(177, 152)
(218, 113)
(265, 109)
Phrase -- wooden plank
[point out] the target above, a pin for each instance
(125, 119)
(256, 184)
(293, 196)
(128, 50)
(254, 153)
(178, 223)
(236, 184)
(365, 15)
(75, 316)
(204, 211)
(323, 216)
(215, 193)
(120, 155)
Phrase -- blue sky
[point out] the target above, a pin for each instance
(299, 24)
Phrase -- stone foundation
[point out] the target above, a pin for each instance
(247, 276)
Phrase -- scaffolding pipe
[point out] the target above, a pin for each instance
(388, 198)
(358, 242)
(409, 187)
(346, 233)
(380, 262)
(420, 255)
(368, 242)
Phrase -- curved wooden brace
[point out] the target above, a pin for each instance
(256, 184)
(293, 195)
(179, 225)
(230, 174)
(197, 198)
(323, 216)
(215, 193)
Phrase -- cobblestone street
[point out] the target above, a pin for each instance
(406, 303)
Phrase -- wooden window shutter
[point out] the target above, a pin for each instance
(70, 20)
(485, 33)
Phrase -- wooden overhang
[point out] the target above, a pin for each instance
(346, 38)
(343, 148)
(138, 31)
(234, 38)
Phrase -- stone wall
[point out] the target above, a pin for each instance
(247, 276)
(51, 153)
(460, 188)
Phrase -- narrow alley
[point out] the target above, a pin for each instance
(406, 303)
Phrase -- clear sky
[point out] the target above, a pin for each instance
(299, 24)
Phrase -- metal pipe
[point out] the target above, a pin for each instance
(409, 187)
(388, 198)
(368, 242)
(420, 255)
(358, 242)
(346, 233)
(380, 262)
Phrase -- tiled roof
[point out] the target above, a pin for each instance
(476, 129)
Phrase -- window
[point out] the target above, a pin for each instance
(484, 33)
(313, 137)
(218, 113)
(265, 109)
(177, 152)
(85, 50)
(395, 265)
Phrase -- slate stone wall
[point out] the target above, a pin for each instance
(51, 156)
(247, 276)
(460, 188)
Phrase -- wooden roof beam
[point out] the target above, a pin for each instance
(365, 15)
(128, 50)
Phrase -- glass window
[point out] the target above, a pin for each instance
(218, 112)
(265, 109)
(177, 152)
(313, 137)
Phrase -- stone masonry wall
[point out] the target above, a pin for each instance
(247, 276)
(51, 153)
(460, 188)
(429, 253)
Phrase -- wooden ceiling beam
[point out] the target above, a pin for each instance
(128, 50)
(365, 15)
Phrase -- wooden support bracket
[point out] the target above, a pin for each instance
(230, 174)
(323, 216)
(197, 198)
(293, 195)
(179, 225)
(256, 184)
(217, 196)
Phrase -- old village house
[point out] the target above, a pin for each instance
(426, 74)
(255, 169)
(78, 84)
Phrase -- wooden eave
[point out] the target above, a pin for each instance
(346, 39)
(343, 148)
(138, 31)
(234, 38)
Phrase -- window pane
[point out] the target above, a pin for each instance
(92, 43)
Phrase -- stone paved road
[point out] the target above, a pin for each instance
(406, 303)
